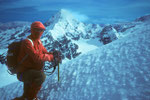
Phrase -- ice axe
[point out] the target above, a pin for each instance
(57, 57)
(58, 72)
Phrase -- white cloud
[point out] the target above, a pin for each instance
(78, 16)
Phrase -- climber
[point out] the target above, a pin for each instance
(30, 71)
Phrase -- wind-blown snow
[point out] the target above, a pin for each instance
(116, 71)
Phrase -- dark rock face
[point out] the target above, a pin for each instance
(108, 34)
(64, 45)
(143, 18)
(123, 27)
(2, 59)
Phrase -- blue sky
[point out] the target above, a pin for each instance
(92, 11)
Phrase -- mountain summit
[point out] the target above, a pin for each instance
(63, 23)
(62, 15)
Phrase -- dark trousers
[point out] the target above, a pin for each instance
(32, 76)
(32, 80)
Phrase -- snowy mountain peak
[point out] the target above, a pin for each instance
(65, 24)
(61, 23)
(62, 16)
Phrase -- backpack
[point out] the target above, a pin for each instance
(12, 56)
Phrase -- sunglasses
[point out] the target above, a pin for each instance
(39, 30)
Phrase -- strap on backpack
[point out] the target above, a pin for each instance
(31, 41)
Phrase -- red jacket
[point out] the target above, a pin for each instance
(37, 55)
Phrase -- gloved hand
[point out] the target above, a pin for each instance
(57, 56)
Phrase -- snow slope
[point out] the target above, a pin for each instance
(119, 70)
(5, 77)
